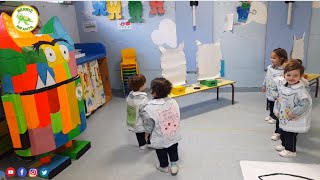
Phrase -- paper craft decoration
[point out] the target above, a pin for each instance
(208, 61)
(166, 34)
(298, 48)
(173, 65)
(258, 13)
(243, 11)
(99, 8)
(114, 9)
(135, 11)
(228, 22)
(39, 76)
(156, 7)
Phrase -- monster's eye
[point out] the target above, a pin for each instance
(65, 52)
(50, 54)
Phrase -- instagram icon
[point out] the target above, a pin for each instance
(33, 172)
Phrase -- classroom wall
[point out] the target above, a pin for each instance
(313, 58)
(245, 49)
(148, 54)
(65, 13)
(279, 34)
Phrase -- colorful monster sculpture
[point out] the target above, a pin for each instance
(42, 94)
(114, 9)
(156, 7)
(99, 8)
(135, 11)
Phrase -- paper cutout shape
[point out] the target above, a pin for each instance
(316, 4)
(157, 7)
(166, 34)
(228, 22)
(298, 48)
(258, 13)
(243, 11)
(173, 65)
(135, 11)
(208, 61)
(114, 9)
(169, 121)
(99, 8)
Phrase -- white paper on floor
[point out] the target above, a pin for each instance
(258, 170)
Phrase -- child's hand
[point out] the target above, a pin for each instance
(263, 89)
(291, 115)
(146, 136)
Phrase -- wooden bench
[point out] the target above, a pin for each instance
(190, 89)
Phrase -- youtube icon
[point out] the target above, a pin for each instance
(10, 172)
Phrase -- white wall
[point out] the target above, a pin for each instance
(65, 13)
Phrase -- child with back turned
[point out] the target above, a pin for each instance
(136, 101)
(278, 57)
(293, 108)
(163, 122)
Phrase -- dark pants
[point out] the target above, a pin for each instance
(141, 139)
(162, 154)
(289, 140)
(271, 106)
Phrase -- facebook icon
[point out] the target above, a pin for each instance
(22, 172)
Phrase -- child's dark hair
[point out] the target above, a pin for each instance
(161, 87)
(136, 82)
(299, 60)
(282, 54)
(294, 65)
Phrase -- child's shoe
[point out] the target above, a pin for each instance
(163, 169)
(286, 153)
(275, 136)
(174, 169)
(272, 121)
(144, 147)
(280, 148)
(268, 118)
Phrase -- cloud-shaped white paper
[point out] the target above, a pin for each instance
(261, 13)
(316, 4)
(166, 34)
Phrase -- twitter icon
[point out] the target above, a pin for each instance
(44, 172)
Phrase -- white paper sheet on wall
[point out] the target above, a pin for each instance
(298, 48)
(228, 22)
(258, 13)
(173, 65)
(208, 61)
(166, 34)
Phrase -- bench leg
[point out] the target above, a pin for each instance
(317, 87)
(232, 94)
(217, 93)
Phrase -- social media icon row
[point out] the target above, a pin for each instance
(22, 172)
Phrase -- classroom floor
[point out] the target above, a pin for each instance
(216, 137)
